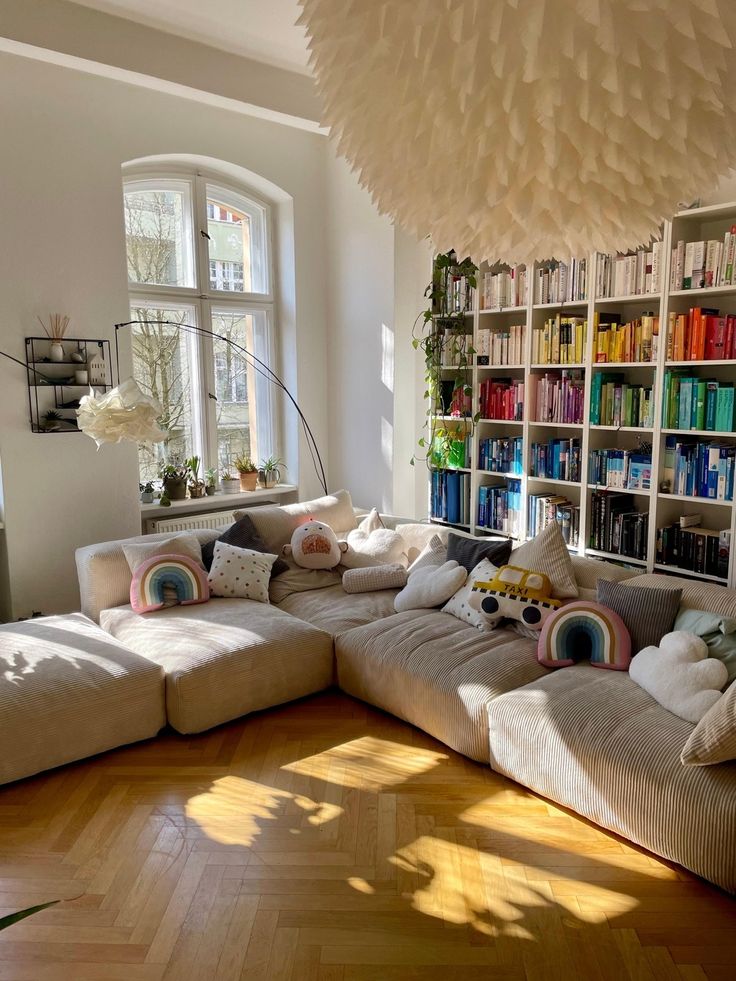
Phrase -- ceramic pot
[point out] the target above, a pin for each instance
(146, 498)
(248, 481)
(175, 489)
(210, 490)
(56, 352)
(231, 486)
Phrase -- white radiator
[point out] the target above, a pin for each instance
(187, 522)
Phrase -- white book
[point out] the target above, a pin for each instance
(680, 265)
(687, 272)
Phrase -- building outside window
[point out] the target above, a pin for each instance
(198, 255)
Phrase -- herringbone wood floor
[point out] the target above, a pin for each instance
(325, 841)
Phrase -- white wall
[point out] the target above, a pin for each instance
(65, 135)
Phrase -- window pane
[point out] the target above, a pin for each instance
(158, 234)
(161, 366)
(243, 402)
(237, 243)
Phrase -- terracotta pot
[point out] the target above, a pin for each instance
(176, 490)
(248, 481)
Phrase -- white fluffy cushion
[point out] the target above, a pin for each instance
(240, 572)
(459, 606)
(680, 675)
(430, 586)
(372, 544)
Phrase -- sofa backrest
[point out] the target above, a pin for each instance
(276, 524)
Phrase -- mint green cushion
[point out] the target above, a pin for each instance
(718, 632)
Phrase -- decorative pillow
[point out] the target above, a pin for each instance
(182, 544)
(580, 631)
(514, 594)
(714, 738)
(718, 632)
(548, 553)
(275, 524)
(240, 572)
(374, 577)
(430, 586)
(679, 675)
(314, 545)
(434, 554)
(181, 574)
(459, 605)
(372, 521)
(242, 534)
(649, 614)
(372, 544)
(588, 571)
(468, 552)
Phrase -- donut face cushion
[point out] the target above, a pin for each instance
(515, 594)
(314, 545)
(585, 631)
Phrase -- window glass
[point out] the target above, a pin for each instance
(235, 384)
(237, 243)
(158, 233)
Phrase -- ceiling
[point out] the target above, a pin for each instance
(260, 29)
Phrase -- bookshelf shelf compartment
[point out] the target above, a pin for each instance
(555, 480)
(564, 305)
(631, 298)
(704, 291)
(502, 422)
(635, 492)
(622, 429)
(700, 364)
(709, 433)
(695, 500)
(500, 367)
(556, 425)
(605, 365)
(450, 524)
(557, 367)
(616, 557)
(676, 570)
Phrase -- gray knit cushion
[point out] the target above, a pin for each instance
(468, 552)
(649, 614)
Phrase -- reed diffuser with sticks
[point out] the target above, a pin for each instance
(55, 331)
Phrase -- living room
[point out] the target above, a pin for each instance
(238, 317)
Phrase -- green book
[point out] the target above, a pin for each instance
(666, 400)
(698, 421)
(711, 406)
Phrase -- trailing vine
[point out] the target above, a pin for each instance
(440, 332)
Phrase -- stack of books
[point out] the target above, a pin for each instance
(698, 468)
(703, 264)
(499, 508)
(630, 275)
(701, 335)
(501, 455)
(451, 496)
(559, 396)
(620, 469)
(635, 341)
(501, 288)
(546, 508)
(504, 346)
(697, 403)
(454, 347)
(615, 402)
(560, 341)
(686, 545)
(558, 459)
(561, 282)
(502, 399)
(616, 526)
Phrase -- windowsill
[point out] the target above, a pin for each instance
(220, 501)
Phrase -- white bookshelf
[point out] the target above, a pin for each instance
(664, 508)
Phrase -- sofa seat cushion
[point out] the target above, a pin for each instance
(596, 742)
(333, 610)
(428, 668)
(225, 658)
(68, 690)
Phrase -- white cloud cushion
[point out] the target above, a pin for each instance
(680, 675)
(434, 554)
(240, 572)
(430, 586)
(372, 544)
(459, 606)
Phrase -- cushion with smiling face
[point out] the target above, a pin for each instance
(314, 545)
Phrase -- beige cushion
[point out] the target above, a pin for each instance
(186, 543)
(334, 610)
(68, 691)
(374, 577)
(547, 553)
(714, 738)
(588, 571)
(225, 658)
(276, 524)
(695, 595)
(298, 580)
(595, 741)
(425, 667)
(417, 536)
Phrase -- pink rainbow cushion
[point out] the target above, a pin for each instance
(182, 574)
(582, 630)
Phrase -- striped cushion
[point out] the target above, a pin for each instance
(548, 553)
(649, 614)
(695, 595)
(714, 737)
(374, 577)
(596, 742)
(425, 667)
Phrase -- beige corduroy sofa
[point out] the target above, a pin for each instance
(589, 739)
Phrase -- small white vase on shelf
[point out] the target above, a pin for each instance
(56, 352)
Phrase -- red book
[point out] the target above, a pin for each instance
(692, 316)
(728, 347)
(719, 348)
(711, 335)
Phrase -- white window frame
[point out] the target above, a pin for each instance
(266, 433)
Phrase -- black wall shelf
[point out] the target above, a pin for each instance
(52, 384)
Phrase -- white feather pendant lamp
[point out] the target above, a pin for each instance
(518, 129)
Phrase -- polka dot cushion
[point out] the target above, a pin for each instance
(240, 572)
(459, 606)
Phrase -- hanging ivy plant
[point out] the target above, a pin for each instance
(440, 332)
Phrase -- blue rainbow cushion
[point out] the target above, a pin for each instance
(585, 631)
(182, 574)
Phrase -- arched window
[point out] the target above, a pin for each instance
(198, 253)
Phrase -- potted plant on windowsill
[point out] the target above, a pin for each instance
(229, 482)
(174, 477)
(269, 471)
(147, 492)
(196, 486)
(210, 482)
(248, 472)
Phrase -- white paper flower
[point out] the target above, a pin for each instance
(518, 129)
(123, 414)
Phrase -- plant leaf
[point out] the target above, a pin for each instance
(6, 921)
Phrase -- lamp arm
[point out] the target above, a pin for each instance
(260, 366)
(26, 366)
